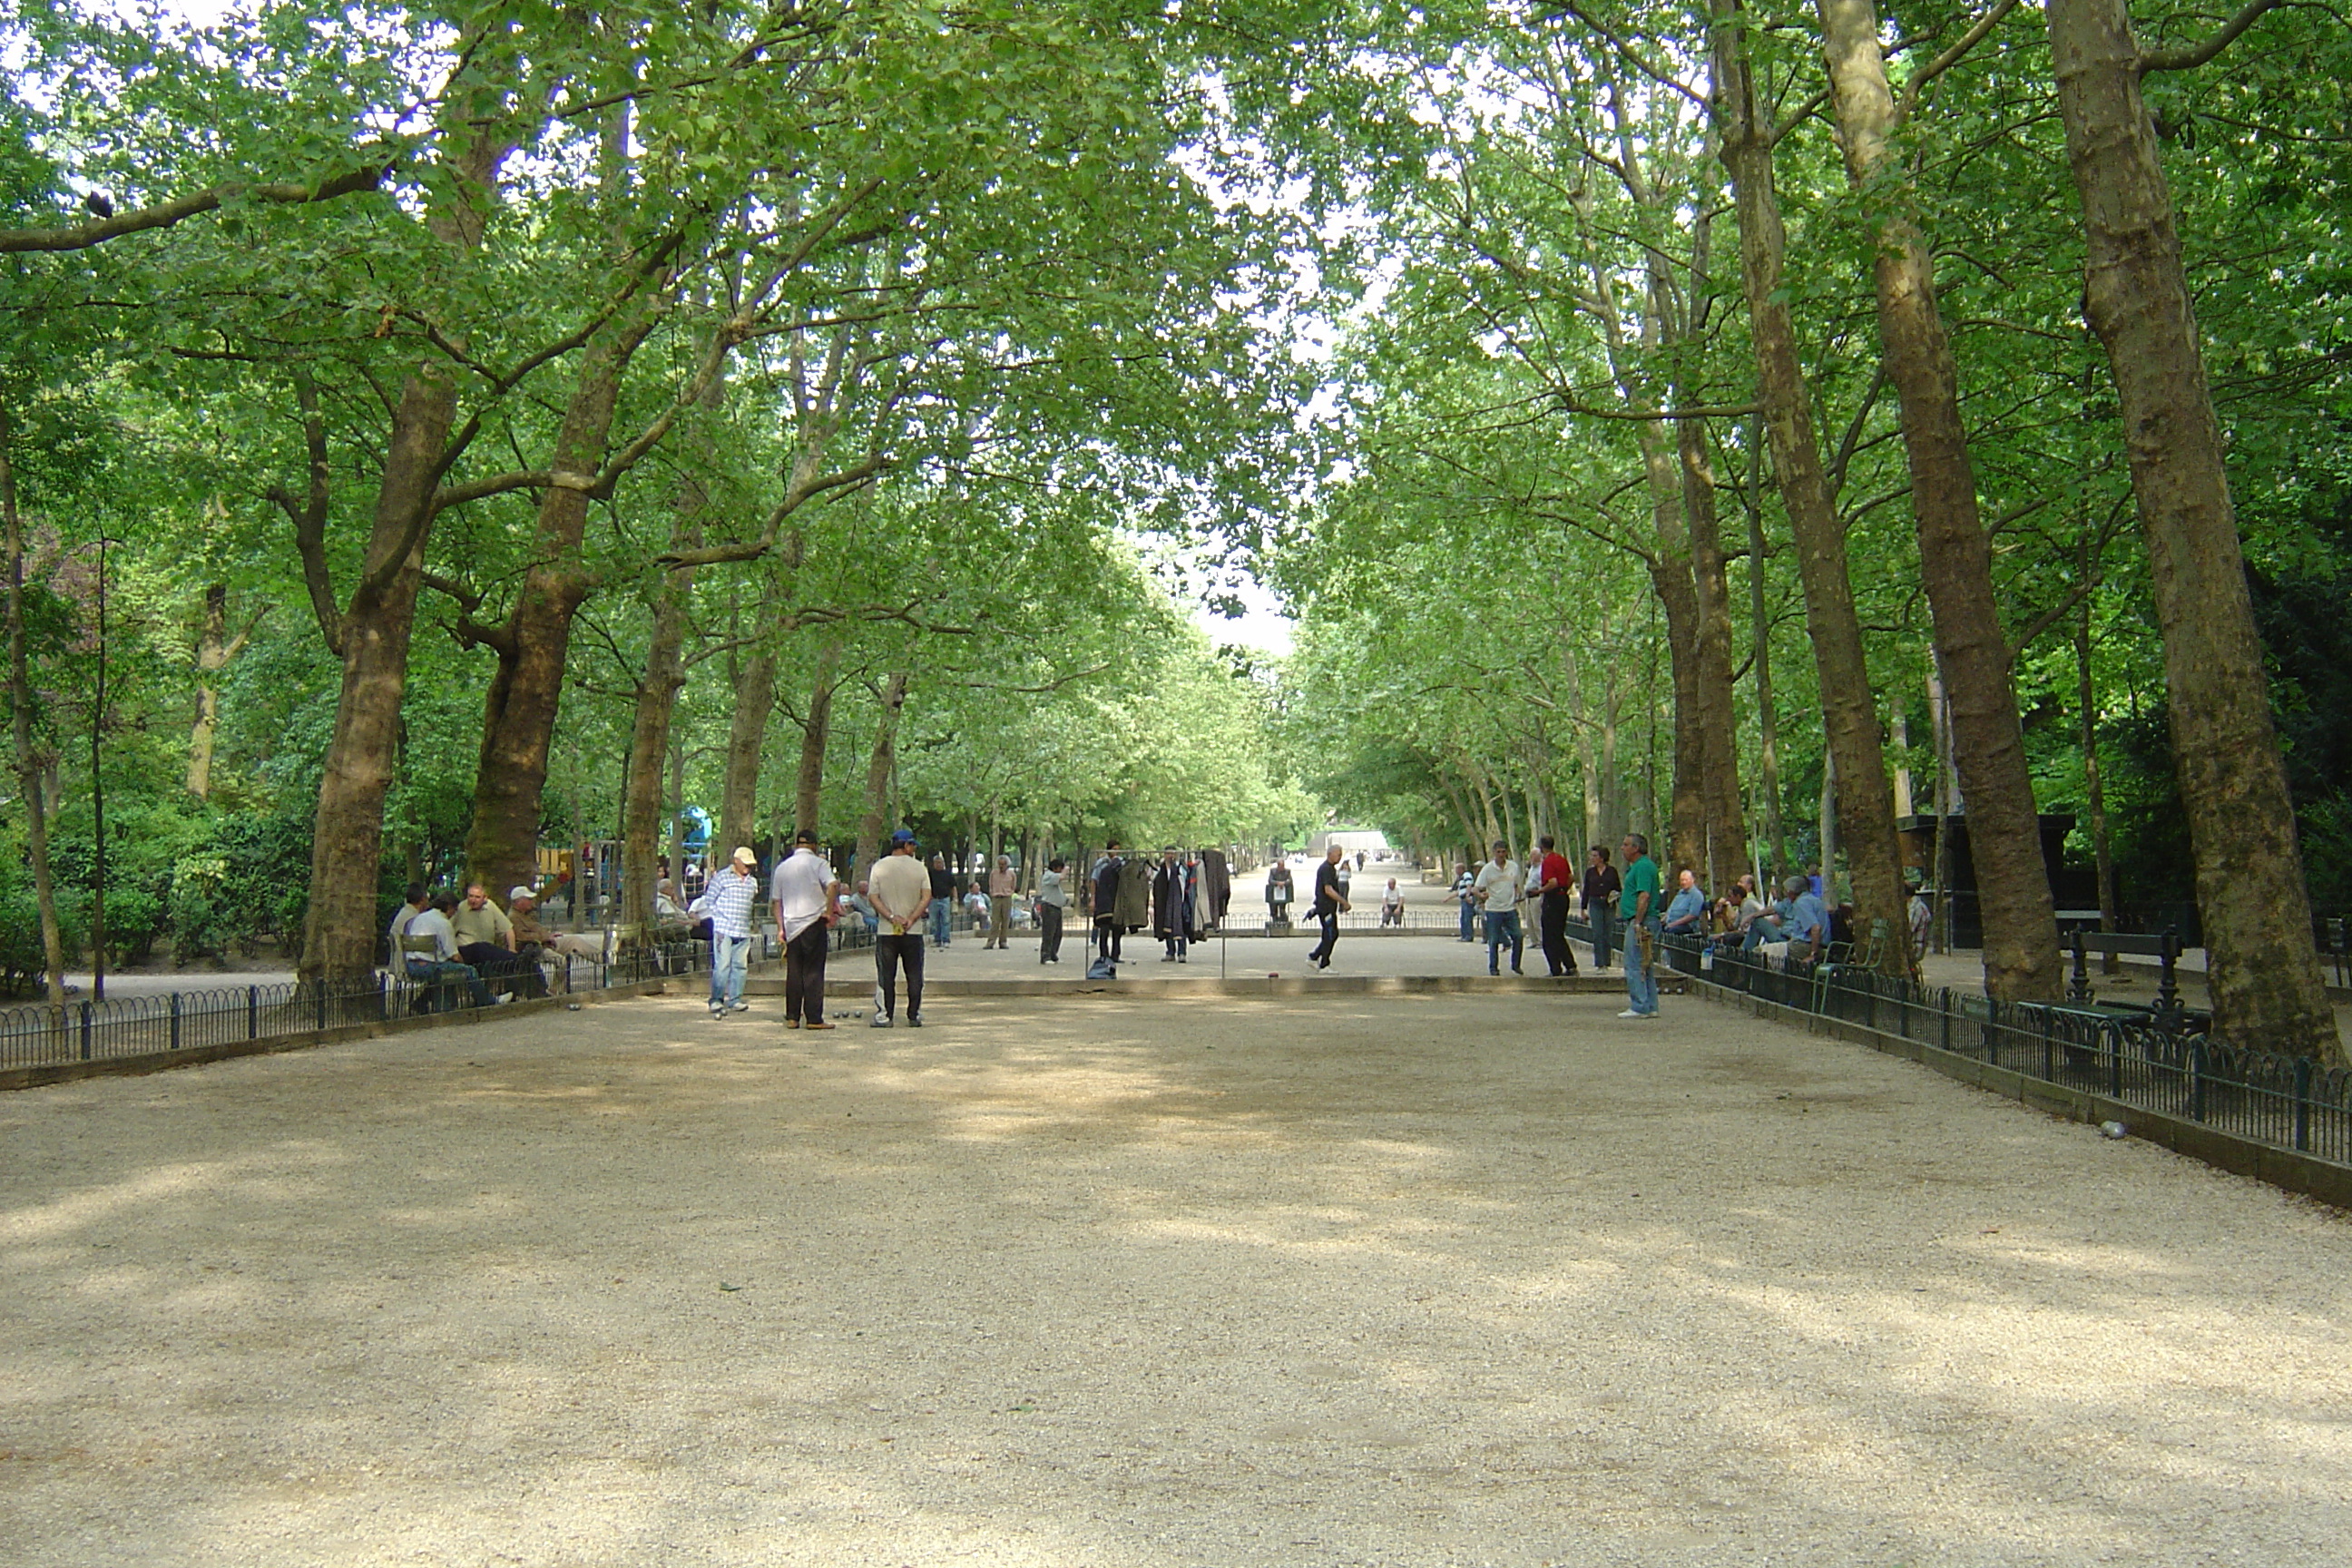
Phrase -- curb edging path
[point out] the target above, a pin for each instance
(2282, 1168)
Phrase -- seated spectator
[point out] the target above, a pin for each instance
(671, 922)
(443, 971)
(1809, 923)
(862, 907)
(1769, 924)
(976, 903)
(486, 939)
(531, 939)
(1733, 912)
(485, 935)
(414, 904)
(1687, 908)
(1392, 904)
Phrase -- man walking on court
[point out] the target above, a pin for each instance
(1638, 904)
(900, 891)
(728, 901)
(1499, 889)
(1555, 880)
(1329, 902)
(806, 898)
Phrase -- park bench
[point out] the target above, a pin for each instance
(438, 996)
(2165, 1011)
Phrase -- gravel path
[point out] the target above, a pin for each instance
(1431, 1280)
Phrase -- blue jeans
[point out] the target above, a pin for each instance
(1469, 931)
(1602, 923)
(1641, 986)
(726, 955)
(1500, 929)
(942, 910)
(445, 979)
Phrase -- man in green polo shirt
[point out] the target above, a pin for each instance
(1637, 903)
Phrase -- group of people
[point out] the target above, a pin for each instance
(1176, 897)
(446, 943)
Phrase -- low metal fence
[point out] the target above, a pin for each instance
(2157, 1059)
(124, 1027)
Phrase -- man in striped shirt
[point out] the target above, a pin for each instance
(728, 901)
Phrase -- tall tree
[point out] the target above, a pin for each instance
(2021, 932)
(2267, 988)
(1865, 800)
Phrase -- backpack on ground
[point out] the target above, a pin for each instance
(1102, 969)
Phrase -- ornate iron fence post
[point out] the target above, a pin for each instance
(2303, 1104)
(253, 1011)
(175, 1020)
(85, 1032)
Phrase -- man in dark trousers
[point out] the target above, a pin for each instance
(1328, 904)
(1107, 932)
(1555, 880)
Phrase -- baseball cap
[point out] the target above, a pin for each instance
(904, 835)
(806, 835)
(514, 893)
(744, 856)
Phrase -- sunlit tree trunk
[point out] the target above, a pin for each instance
(2267, 989)
(2021, 932)
(1865, 804)
(879, 765)
(808, 792)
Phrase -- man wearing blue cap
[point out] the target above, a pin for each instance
(900, 891)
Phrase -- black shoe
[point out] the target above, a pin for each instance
(913, 1021)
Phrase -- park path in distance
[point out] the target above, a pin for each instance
(1420, 1280)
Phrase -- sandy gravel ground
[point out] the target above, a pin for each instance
(1440, 1281)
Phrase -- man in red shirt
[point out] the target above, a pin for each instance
(1556, 878)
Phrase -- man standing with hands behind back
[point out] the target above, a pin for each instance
(900, 891)
(807, 900)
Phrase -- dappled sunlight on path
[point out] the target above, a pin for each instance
(1422, 1279)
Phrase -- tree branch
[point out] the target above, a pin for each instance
(163, 214)
(309, 516)
(1950, 57)
(2196, 55)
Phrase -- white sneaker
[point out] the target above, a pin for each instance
(742, 1006)
(1628, 1013)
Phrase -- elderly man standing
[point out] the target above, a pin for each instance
(1003, 883)
(1497, 887)
(806, 896)
(900, 890)
(728, 901)
(1637, 904)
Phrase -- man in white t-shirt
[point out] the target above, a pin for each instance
(805, 895)
(1497, 888)
(900, 891)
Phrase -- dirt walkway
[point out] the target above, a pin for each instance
(1442, 1280)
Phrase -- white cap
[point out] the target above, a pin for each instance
(743, 855)
(514, 893)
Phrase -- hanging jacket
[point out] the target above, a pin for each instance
(1134, 909)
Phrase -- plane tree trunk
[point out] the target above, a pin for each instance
(2021, 934)
(526, 691)
(31, 767)
(1866, 801)
(2267, 990)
